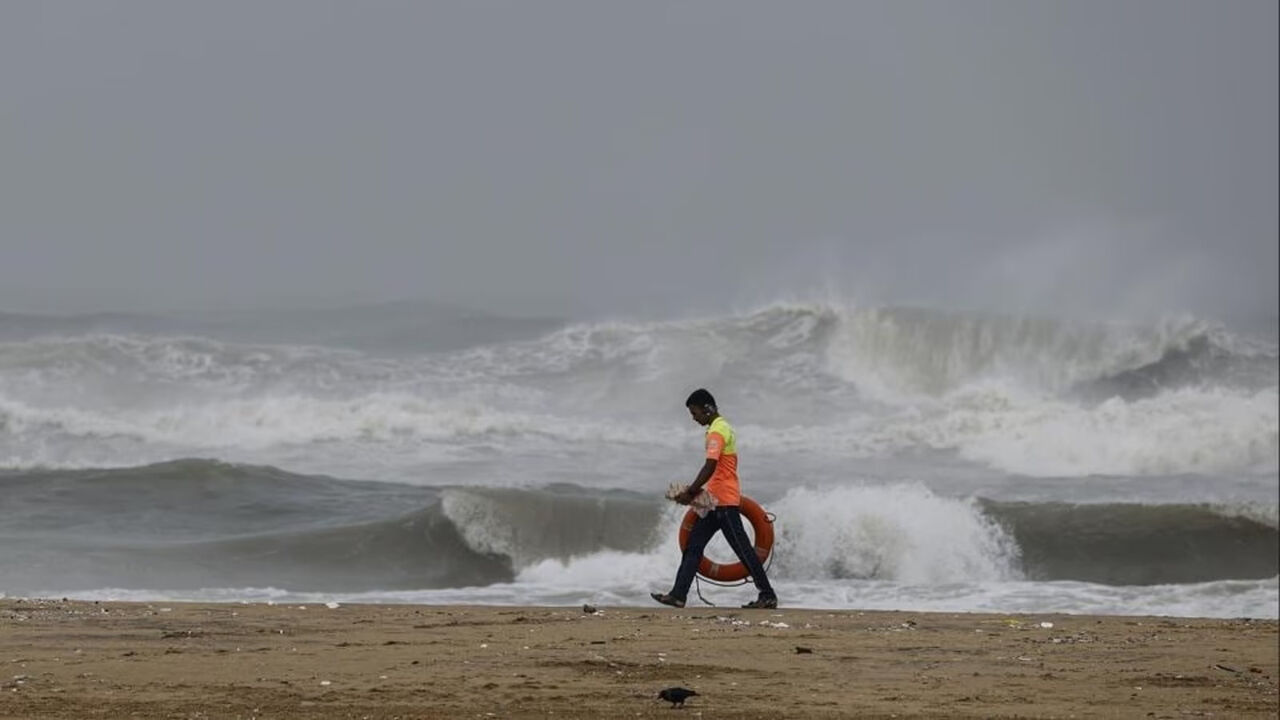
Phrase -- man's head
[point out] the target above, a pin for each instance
(702, 406)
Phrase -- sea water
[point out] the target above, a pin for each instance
(911, 458)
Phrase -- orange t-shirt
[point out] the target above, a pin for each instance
(723, 448)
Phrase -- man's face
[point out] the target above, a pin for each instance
(701, 414)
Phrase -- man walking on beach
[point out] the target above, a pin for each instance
(719, 478)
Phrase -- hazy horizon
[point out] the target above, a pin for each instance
(573, 158)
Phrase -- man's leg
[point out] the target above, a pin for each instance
(703, 530)
(731, 526)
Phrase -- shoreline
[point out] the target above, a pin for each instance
(86, 659)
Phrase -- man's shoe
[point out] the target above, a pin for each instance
(665, 599)
(764, 602)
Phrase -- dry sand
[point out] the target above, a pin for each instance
(175, 660)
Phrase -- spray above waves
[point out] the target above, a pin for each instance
(931, 352)
(394, 328)
(1207, 431)
(1208, 358)
(901, 349)
(1022, 395)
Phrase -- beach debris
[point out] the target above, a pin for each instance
(589, 609)
(17, 682)
(1227, 668)
(332, 605)
(676, 695)
(803, 650)
(1080, 637)
(1046, 625)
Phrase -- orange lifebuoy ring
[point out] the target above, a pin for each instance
(761, 524)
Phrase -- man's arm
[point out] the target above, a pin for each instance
(708, 469)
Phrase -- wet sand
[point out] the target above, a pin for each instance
(177, 660)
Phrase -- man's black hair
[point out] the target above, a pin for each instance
(700, 398)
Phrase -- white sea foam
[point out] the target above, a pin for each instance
(1219, 599)
(896, 352)
(903, 533)
(1191, 430)
(1185, 431)
(829, 381)
(249, 425)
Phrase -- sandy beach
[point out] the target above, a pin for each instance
(177, 660)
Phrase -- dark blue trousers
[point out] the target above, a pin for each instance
(726, 519)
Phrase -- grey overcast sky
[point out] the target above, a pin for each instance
(1108, 156)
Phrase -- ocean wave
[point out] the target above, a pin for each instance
(793, 347)
(199, 523)
(1192, 430)
(904, 533)
(1130, 544)
(1031, 396)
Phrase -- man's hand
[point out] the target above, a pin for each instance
(683, 495)
(678, 493)
(689, 496)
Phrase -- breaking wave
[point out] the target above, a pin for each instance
(200, 524)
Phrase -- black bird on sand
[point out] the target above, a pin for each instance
(676, 695)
